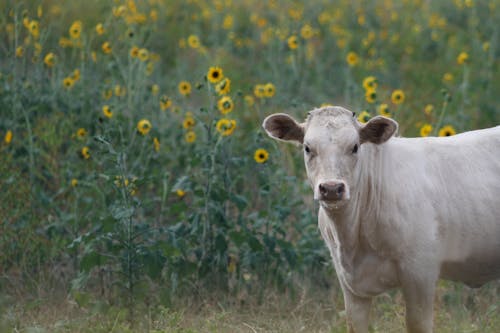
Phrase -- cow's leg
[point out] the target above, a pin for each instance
(357, 312)
(418, 290)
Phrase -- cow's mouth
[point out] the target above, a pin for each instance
(333, 204)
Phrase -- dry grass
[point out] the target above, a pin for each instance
(458, 309)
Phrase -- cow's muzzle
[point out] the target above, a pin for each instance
(331, 191)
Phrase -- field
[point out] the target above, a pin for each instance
(138, 190)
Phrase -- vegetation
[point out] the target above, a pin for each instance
(138, 189)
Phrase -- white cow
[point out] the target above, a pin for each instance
(400, 212)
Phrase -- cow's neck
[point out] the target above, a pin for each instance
(358, 218)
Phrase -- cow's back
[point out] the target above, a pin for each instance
(453, 186)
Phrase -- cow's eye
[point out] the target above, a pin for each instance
(355, 149)
(307, 149)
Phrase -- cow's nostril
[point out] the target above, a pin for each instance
(339, 189)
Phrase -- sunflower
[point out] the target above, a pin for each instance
(81, 132)
(134, 52)
(19, 51)
(259, 91)
(190, 137)
(425, 130)
(165, 102)
(364, 116)
(106, 48)
(75, 30)
(398, 96)
(74, 182)
(143, 126)
(188, 122)
(370, 82)
(448, 77)
(193, 41)
(107, 111)
(307, 31)
(180, 193)
(143, 54)
(215, 74)
(447, 130)
(225, 105)
(75, 75)
(428, 109)
(383, 110)
(352, 59)
(99, 28)
(85, 153)
(269, 90)
(8, 137)
(462, 58)
(261, 155)
(34, 28)
(226, 126)
(184, 88)
(49, 59)
(223, 87)
(292, 42)
(68, 82)
(156, 144)
(371, 96)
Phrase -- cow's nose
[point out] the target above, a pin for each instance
(331, 191)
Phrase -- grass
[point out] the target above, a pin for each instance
(311, 309)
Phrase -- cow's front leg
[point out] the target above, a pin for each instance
(357, 311)
(418, 290)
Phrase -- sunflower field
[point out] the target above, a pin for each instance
(134, 171)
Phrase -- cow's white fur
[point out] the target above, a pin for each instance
(416, 209)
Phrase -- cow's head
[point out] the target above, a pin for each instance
(332, 140)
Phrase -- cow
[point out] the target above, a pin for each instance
(399, 212)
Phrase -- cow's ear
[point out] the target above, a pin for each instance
(378, 130)
(281, 126)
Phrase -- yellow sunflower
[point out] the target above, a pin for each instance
(447, 130)
(50, 59)
(215, 74)
(75, 30)
(462, 58)
(225, 105)
(370, 82)
(184, 88)
(398, 96)
(383, 110)
(226, 126)
(8, 137)
(81, 132)
(134, 52)
(85, 153)
(190, 137)
(165, 102)
(425, 130)
(144, 126)
(259, 91)
(364, 116)
(293, 42)
(188, 122)
(68, 82)
(193, 41)
(106, 48)
(107, 111)
(223, 87)
(99, 29)
(269, 90)
(352, 59)
(371, 95)
(261, 155)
